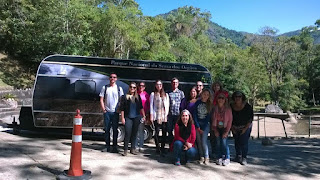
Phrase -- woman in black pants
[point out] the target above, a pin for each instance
(131, 107)
(242, 114)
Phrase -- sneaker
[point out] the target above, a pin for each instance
(125, 153)
(141, 150)
(177, 163)
(201, 161)
(106, 149)
(133, 151)
(244, 161)
(219, 161)
(206, 161)
(225, 162)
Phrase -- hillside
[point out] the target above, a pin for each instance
(314, 34)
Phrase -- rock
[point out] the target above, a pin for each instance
(266, 142)
(271, 108)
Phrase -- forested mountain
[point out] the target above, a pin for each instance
(314, 34)
(266, 67)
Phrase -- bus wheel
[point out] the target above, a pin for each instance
(148, 133)
(121, 134)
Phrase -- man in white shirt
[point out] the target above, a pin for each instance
(109, 100)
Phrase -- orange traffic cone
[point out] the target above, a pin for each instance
(76, 150)
(75, 171)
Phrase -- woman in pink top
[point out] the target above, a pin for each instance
(146, 107)
(221, 124)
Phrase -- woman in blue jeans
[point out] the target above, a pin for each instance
(131, 107)
(184, 138)
(221, 124)
(201, 116)
(242, 114)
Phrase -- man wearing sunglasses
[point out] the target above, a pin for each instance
(109, 99)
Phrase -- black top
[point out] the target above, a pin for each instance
(242, 117)
(125, 105)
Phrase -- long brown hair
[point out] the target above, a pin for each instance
(209, 103)
(190, 121)
(135, 95)
(162, 93)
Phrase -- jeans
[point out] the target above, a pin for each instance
(131, 128)
(178, 148)
(241, 142)
(172, 120)
(140, 136)
(222, 146)
(111, 119)
(202, 140)
(163, 126)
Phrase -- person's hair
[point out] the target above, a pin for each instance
(190, 121)
(135, 92)
(236, 93)
(174, 79)
(214, 84)
(113, 73)
(226, 102)
(162, 93)
(209, 102)
(188, 98)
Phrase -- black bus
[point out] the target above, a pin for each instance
(66, 83)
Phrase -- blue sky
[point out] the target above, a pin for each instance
(246, 15)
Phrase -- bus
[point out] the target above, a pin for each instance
(65, 83)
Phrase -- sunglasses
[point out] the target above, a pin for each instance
(133, 87)
(199, 85)
(141, 85)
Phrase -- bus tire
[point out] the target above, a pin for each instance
(148, 133)
(121, 133)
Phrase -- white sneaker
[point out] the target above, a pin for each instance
(219, 161)
(226, 162)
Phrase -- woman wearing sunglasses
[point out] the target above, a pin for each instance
(131, 107)
(242, 114)
(221, 124)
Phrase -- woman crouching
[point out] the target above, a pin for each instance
(184, 138)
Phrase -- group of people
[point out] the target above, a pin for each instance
(185, 121)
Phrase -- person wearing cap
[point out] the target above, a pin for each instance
(221, 124)
(242, 114)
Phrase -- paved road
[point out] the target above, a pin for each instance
(38, 156)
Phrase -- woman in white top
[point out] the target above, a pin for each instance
(159, 110)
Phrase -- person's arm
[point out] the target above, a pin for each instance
(102, 94)
(195, 116)
(167, 104)
(122, 118)
(192, 138)
(228, 120)
(250, 111)
(151, 106)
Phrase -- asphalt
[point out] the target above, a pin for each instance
(45, 156)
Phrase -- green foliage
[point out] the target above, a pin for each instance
(265, 67)
(8, 96)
